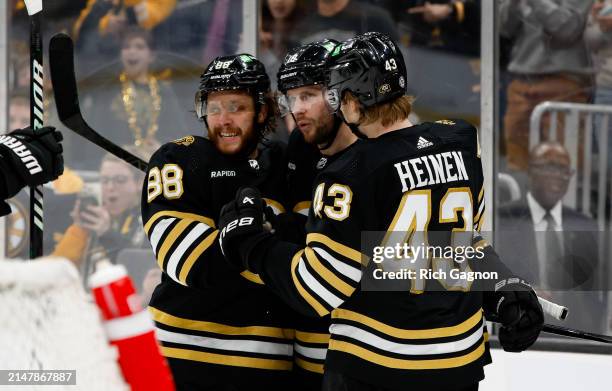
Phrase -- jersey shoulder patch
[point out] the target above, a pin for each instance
(184, 141)
(192, 153)
(457, 131)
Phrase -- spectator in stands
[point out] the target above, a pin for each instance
(548, 62)
(441, 35)
(278, 18)
(549, 244)
(452, 26)
(19, 66)
(201, 29)
(134, 106)
(19, 110)
(341, 20)
(58, 16)
(598, 37)
(100, 231)
(102, 22)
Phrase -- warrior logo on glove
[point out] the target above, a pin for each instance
(23, 153)
(29, 158)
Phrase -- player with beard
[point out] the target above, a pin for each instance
(219, 330)
(415, 184)
(319, 138)
(322, 135)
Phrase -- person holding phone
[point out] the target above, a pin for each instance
(101, 228)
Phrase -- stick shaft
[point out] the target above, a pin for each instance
(36, 122)
(573, 333)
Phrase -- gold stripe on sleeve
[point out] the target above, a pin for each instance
(181, 215)
(314, 303)
(331, 278)
(195, 254)
(337, 247)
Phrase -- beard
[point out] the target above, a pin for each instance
(320, 134)
(248, 140)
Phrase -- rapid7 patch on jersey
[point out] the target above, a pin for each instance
(333, 201)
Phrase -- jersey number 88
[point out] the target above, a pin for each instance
(167, 181)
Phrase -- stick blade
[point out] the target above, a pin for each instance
(61, 63)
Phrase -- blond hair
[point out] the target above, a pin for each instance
(387, 113)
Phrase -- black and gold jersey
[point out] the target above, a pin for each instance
(420, 179)
(215, 325)
(304, 163)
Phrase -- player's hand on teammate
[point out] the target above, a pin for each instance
(241, 225)
(34, 158)
(515, 305)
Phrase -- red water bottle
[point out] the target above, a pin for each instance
(130, 329)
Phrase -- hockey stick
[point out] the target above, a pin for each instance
(573, 333)
(61, 61)
(557, 311)
(34, 8)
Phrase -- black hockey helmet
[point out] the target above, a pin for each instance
(305, 65)
(370, 66)
(235, 72)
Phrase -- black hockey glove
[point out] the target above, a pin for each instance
(241, 226)
(30, 158)
(515, 305)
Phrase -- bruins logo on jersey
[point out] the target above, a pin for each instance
(445, 122)
(185, 141)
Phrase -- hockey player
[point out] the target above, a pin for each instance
(218, 329)
(319, 139)
(411, 180)
(28, 158)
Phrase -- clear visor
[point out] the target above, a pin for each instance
(298, 101)
(214, 108)
(199, 109)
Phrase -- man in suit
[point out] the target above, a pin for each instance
(550, 244)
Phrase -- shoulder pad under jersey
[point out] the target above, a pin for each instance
(457, 131)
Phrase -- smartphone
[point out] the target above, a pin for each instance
(88, 200)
